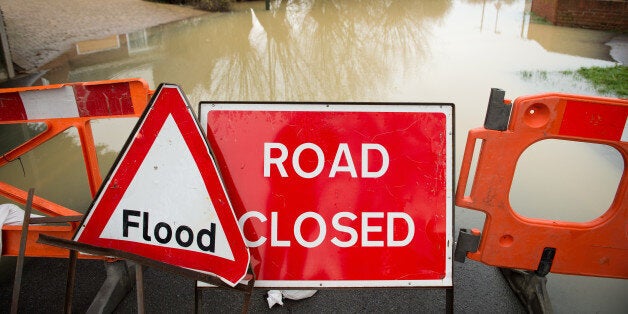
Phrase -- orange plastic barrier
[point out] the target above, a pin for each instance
(60, 107)
(595, 248)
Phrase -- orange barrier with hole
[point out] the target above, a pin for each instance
(60, 107)
(595, 248)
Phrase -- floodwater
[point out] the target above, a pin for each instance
(373, 51)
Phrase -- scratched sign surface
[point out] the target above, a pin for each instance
(339, 195)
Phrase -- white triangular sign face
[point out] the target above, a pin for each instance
(168, 161)
(164, 198)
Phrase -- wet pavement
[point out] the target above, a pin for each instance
(478, 288)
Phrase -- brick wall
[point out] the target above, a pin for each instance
(593, 14)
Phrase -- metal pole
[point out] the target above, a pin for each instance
(139, 287)
(198, 298)
(20, 259)
(69, 286)
(247, 295)
(449, 300)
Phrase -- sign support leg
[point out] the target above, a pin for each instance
(449, 300)
(69, 286)
(17, 283)
(198, 298)
(116, 286)
(247, 294)
(101, 302)
(139, 286)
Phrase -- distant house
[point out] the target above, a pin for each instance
(611, 15)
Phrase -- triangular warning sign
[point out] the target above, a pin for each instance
(164, 199)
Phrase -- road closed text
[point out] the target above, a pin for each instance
(346, 229)
(369, 232)
(276, 155)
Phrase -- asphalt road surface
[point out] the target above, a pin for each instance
(477, 288)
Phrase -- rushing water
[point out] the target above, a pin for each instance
(381, 51)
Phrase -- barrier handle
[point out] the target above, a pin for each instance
(465, 169)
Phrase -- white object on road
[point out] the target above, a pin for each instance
(276, 296)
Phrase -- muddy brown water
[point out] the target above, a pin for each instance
(379, 51)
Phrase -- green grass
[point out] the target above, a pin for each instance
(608, 79)
(611, 81)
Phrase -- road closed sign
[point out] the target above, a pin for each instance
(339, 195)
(164, 199)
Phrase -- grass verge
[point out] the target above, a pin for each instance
(607, 79)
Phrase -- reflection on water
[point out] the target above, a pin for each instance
(14, 135)
(402, 50)
(572, 41)
(273, 57)
(338, 50)
(56, 170)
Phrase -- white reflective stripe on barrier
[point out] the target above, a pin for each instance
(37, 103)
